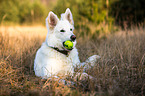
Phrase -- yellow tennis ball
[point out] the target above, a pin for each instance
(68, 44)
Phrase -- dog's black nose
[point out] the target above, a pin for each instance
(73, 37)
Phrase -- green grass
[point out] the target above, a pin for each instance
(119, 72)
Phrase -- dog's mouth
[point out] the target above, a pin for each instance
(67, 49)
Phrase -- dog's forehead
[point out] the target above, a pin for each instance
(64, 24)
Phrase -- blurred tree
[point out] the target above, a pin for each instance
(87, 14)
(25, 11)
(9, 9)
(128, 12)
(92, 10)
(22, 11)
(38, 11)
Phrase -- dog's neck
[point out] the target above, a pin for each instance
(61, 51)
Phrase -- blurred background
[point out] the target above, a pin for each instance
(91, 17)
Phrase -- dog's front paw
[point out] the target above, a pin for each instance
(93, 59)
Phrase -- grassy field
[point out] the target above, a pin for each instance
(119, 72)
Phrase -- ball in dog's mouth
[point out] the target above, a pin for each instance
(68, 45)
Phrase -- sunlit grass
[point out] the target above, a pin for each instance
(120, 71)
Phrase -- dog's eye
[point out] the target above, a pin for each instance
(62, 30)
(71, 29)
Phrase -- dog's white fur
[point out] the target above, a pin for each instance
(49, 62)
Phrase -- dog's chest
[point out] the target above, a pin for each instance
(60, 61)
(63, 60)
(57, 62)
(63, 64)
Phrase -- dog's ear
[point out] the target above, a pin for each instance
(52, 20)
(68, 16)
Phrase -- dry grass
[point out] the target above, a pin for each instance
(120, 71)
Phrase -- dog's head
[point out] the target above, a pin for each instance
(60, 30)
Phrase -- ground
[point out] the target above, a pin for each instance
(120, 71)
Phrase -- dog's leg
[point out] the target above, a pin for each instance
(45, 73)
(89, 62)
(83, 77)
(86, 65)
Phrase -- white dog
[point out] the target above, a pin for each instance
(53, 59)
